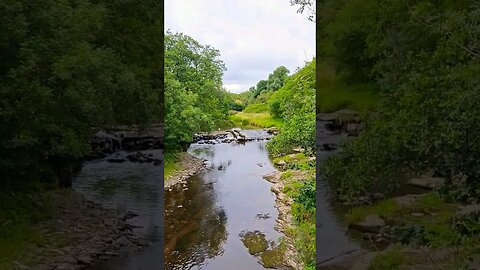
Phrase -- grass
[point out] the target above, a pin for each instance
(296, 161)
(386, 209)
(172, 163)
(391, 259)
(334, 94)
(256, 108)
(255, 120)
(19, 212)
(430, 203)
(302, 231)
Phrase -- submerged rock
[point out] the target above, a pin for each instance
(371, 224)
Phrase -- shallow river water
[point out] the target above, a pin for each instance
(204, 217)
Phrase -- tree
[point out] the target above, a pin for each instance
(68, 69)
(277, 79)
(194, 97)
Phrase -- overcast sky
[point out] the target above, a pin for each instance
(254, 36)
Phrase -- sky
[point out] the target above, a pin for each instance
(254, 36)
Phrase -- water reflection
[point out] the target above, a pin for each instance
(195, 227)
(205, 217)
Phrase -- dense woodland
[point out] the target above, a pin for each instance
(195, 100)
(67, 69)
(411, 68)
(422, 59)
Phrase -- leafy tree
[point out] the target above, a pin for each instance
(67, 69)
(423, 56)
(295, 104)
(194, 98)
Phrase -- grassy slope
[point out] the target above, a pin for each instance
(255, 120)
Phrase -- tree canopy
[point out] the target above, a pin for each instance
(68, 68)
(194, 98)
(424, 58)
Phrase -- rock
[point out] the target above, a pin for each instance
(64, 266)
(84, 259)
(371, 224)
(467, 210)
(281, 163)
(328, 147)
(130, 215)
(407, 200)
(356, 260)
(18, 266)
(427, 182)
(298, 150)
(116, 160)
(417, 214)
(273, 177)
(263, 215)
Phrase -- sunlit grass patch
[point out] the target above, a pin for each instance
(255, 120)
(172, 163)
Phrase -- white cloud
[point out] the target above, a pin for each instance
(254, 36)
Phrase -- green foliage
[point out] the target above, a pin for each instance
(19, 213)
(390, 259)
(303, 212)
(172, 161)
(295, 104)
(254, 120)
(69, 68)
(274, 82)
(424, 58)
(194, 98)
(256, 108)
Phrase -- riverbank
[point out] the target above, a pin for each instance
(294, 188)
(180, 166)
(414, 229)
(75, 234)
(413, 224)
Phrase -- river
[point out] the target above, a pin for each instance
(332, 237)
(205, 217)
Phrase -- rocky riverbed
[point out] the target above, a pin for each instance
(78, 234)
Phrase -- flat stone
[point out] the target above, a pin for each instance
(407, 200)
(84, 259)
(467, 210)
(427, 182)
(281, 163)
(371, 224)
(272, 177)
